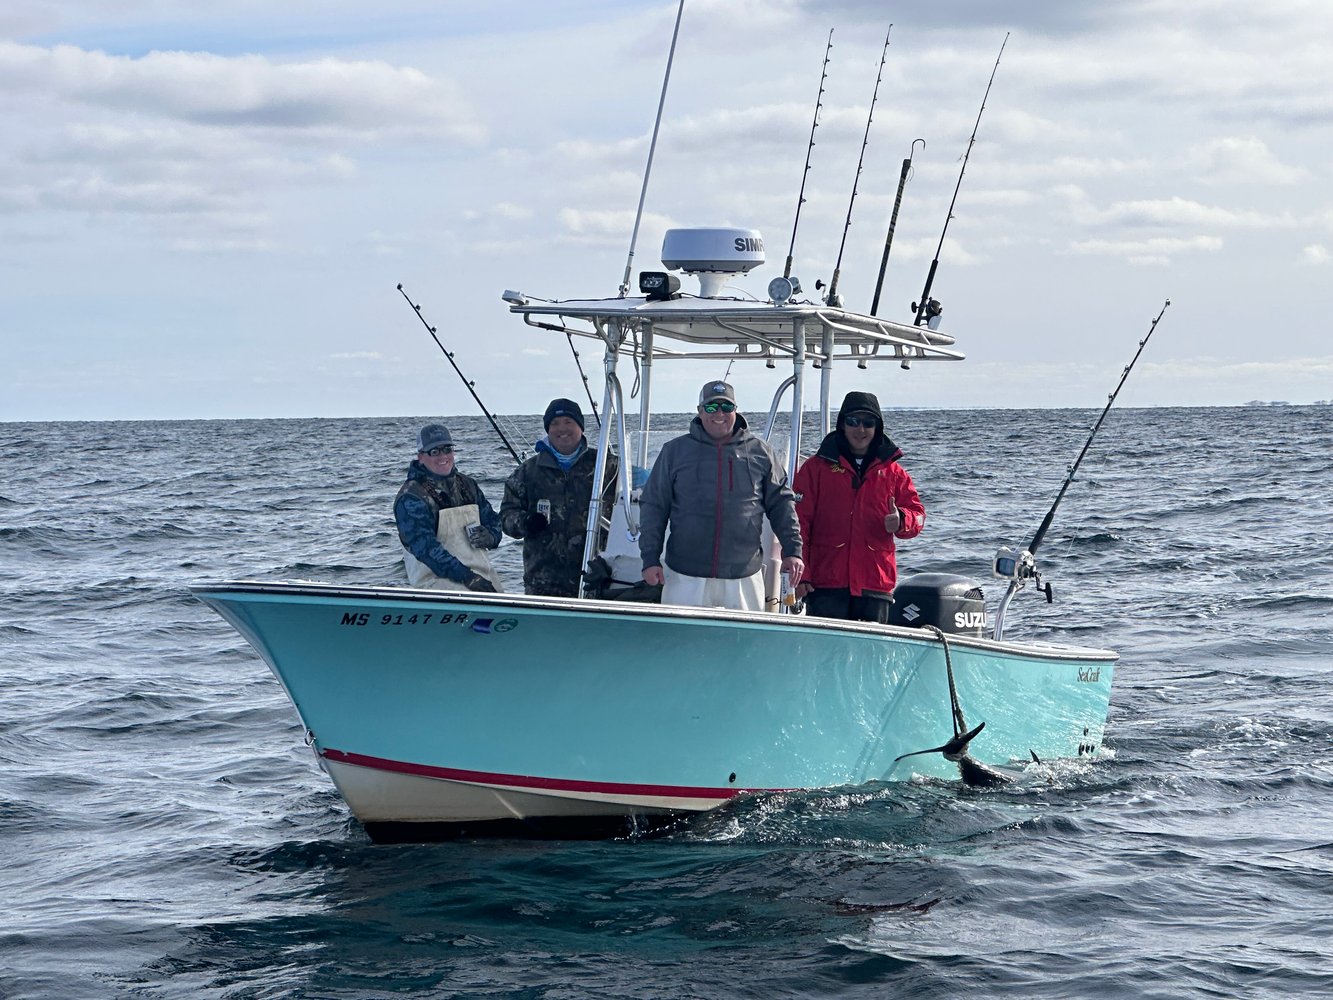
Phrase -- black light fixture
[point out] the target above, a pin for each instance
(658, 286)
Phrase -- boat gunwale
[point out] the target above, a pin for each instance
(560, 606)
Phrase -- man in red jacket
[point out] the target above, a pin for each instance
(853, 499)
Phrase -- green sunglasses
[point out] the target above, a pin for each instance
(719, 404)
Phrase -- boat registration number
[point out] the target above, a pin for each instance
(364, 618)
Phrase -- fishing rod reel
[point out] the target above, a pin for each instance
(929, 313)
(833, 298)
(1018, 566)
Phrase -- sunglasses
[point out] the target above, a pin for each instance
(865, 420)
(720, 404)
(437, 452)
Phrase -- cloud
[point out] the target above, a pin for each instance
(612, 224)
(1156, 251)
(1177, 211)
(327, 97)
(1315, 253)
(1235, 159)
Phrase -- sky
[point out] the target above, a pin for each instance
(206, 209)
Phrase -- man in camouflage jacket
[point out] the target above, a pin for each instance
(546, 502)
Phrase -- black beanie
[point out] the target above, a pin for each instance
(562, 408)
(855, 401)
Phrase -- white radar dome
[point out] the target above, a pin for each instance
(714, 254)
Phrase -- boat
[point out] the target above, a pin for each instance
(439, 714)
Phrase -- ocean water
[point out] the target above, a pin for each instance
(164, 831)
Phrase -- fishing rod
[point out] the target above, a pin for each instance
(1019, 566)
(587, 389)
(805, 174)
(652, 147)
(893, 222)
(471, 386)
(832, 297)
(928, 308)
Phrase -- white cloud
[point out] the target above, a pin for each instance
(1158, 250)
(327, 97)
(1315, 253)
(1241, 160)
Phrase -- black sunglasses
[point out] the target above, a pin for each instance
(437, 452)
(862, 421)
(719, 404)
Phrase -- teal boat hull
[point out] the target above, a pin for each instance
(431, 709)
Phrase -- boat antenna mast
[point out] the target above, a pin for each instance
(893, 223)
(805, 174)
(652, 148)
(927, 308)
(471, 386)
(1019, 565)
(832, 297)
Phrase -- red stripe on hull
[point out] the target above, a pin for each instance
(529, 781)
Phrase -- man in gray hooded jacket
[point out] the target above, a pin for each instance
(714, 486)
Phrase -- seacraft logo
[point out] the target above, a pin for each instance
(1090, 676)
(749, 244)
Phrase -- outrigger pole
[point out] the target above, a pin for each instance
(831, 298)
(893, 222)
(652, 147)
(1021, 566)
(471, 386)
(927, 307)
(800, 198)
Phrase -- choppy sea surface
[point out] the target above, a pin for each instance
(165, 832)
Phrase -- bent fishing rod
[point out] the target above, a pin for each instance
(471, 386)
(1019, 566)
(927, 308)
(832, 297)
(805, 174)
(893, 222)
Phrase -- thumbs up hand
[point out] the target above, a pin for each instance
(893, 520)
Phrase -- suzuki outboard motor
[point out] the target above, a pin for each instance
(951, 603)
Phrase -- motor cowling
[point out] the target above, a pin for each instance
(953, 604)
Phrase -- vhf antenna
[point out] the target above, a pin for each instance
(928, 308)
(652, 147)
(832, 297)
(800, 198)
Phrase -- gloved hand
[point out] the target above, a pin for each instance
(479, 537)
(480, 584)
(536, 524)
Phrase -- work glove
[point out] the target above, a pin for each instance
(480, 584)
(535, 524)
(479, 537)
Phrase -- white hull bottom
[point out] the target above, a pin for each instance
(383, 799)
